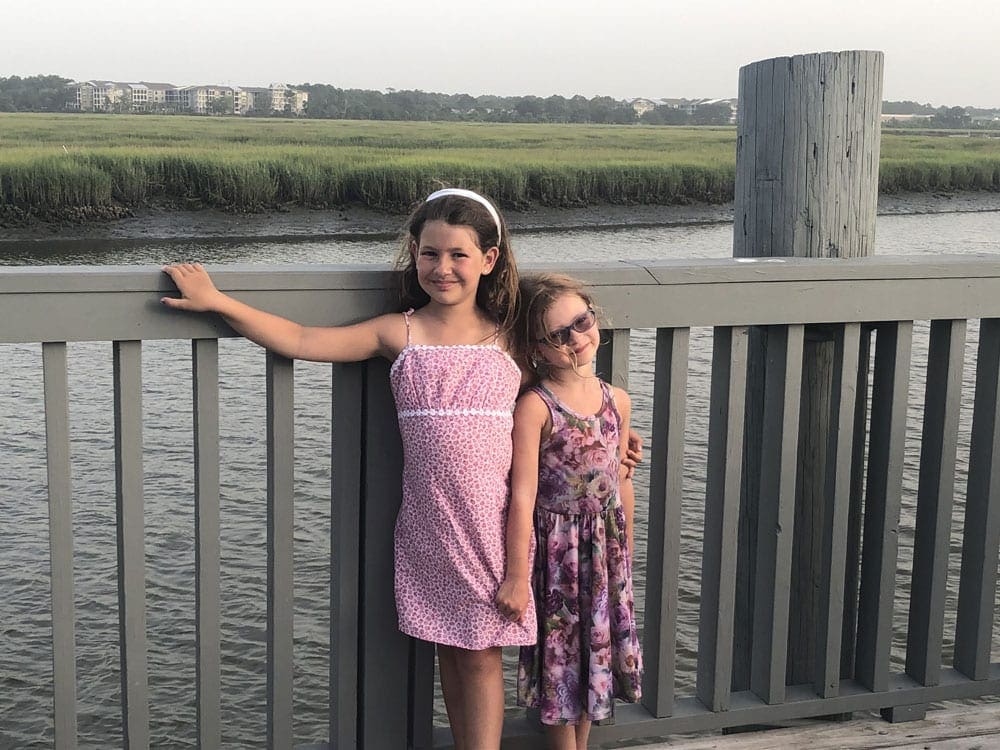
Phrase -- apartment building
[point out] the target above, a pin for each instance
(143, 96)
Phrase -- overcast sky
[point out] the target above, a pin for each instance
(944, 53)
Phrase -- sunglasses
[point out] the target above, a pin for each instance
(563, 336)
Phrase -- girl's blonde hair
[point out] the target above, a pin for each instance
(497, 293)
(538, 292)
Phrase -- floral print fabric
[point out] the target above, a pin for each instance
(588, 650)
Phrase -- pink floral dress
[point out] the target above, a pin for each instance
(588, 650)
(455, 408)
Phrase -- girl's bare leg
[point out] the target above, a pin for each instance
(561, 736)
(451, 687)
(473, 696)
(568, 736)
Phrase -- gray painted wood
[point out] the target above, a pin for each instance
(612, 357)
(385, 652)
(57, 465)
(670, 293)
(886, 442)
(981, 536)
(722, 502)
(421, 689)
(779, 465)
(663, 543)
(346, 458)
(131, 542)
(935, 495)
(280, 558)
(747, 709)
(852, 573)
(656, 293)
(205, 378)
(840, 439)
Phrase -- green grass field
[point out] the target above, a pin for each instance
(50, 163)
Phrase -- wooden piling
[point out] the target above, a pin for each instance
(806, 186)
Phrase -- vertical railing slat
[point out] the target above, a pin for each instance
(722, 503)
(131, 544)
(776, 509)
(663, 542)
(57, 462)
(612, 356)
(205, 383)
(837, 488)
(385, 700)
(978, 580)
(421, 695)
(280, 537)
(893, 344)
(935, 495)
(346, 457)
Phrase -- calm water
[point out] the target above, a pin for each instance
(25, 650)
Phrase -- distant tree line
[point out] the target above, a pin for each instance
(50, 93)
(715, 113)
(35, 94)
(327, 101)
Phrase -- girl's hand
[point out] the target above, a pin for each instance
(633, 454)
(198, 293)
(512, 598)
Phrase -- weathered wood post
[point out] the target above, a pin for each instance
(806, 186)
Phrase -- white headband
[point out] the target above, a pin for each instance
(461, 192)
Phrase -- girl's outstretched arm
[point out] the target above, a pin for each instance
(382, 336)
(530, 416)
(625, 489)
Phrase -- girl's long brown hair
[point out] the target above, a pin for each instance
(497, 293)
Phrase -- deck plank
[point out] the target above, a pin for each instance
(962, 728)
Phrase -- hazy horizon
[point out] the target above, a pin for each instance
(939, 55)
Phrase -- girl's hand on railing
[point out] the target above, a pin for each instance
(513, 597)
(198, 293)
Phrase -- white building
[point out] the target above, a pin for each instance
(111, 96)
(286, 99)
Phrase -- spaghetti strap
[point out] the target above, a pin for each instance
(406, 318)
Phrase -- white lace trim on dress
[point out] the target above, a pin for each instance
(455, 413)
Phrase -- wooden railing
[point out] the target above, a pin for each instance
(381, 683)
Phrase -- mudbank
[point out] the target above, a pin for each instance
(355, 221)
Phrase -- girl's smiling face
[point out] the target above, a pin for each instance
(450, 263)
(562, 342)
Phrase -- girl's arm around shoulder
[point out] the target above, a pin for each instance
(382, 336)
(632, 454)
(514, 595)
(626, 490)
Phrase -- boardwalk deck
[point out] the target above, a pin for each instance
(952, 728)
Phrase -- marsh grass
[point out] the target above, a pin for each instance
(53, 162)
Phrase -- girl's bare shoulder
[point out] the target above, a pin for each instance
(391, 331)
(530, 403)
(622, 400)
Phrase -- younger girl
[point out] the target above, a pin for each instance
(570, 431)
(455, 385)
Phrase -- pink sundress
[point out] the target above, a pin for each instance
(455, 408)
(588, 650)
